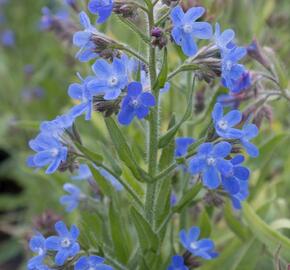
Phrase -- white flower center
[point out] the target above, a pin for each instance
(193, 245)
(91, 268)
(54, 152)
(210, 161)
(229, 65)
(187, 28)
(40, 251)
(65, 243)
(135, 103)
(113, 81)
(222, 124)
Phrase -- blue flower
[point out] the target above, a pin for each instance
(82, 93)
(203, 248)
(72, 200)
(232, 71)
(210, 162)
(250, 131)
(83, 173)
(110, 78)
(242, 195)
(222, 40)
(242, 83)
(8, 38)
(49, 152)
(103, 8)
(91, 263)
(37, 245)
(232, 181)
(186, 29)
(56, 127)
(181, 145)
(136, 103)
(177, 263)
(65, 244)
(83, 39)
(224, 124)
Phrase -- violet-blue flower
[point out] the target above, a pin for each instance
(65, 244)
(232, 181)
(177, 263)
(8, 38)
(182, 144)
(224, 123)
(250, 131)
(110, 79)
(50, 152)
(210, 162)
(83, 39)
(91, 263)
(223, 39)
(186, 29)
(82, 93)
(242, 83)
(103, 8)
(72, 200)
(203, 248)
(136, 103)
(37, 245)
(231, 69)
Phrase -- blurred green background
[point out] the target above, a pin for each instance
(34, 75)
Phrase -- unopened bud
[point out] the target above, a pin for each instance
(213, 199)
(255, 51)
(126, 10)
(159, 38)
(265, 113)
(107, 107)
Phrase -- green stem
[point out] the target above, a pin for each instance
(153, 130)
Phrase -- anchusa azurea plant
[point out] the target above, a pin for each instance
(136, 184)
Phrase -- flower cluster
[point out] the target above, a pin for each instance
(62, 247)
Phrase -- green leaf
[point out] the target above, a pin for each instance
(262, 231)
(166, 138)
(234, 224)
(119, 236)
(148, 239)
(162, 76)
(187, 198)
(92, 156)
(123, 149)
(102, 182)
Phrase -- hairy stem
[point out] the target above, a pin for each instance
(153, 129)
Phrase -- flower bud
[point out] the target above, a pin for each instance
(104, 46)
(159, 38)
(255, 51)
(127, 10)
(265, 113)
(45, 222)
(107, 107)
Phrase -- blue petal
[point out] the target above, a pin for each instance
(104, 13)
(196, 165)
(134, 89)
(226, 37)
(126, 116)
(42, 158)
(231, 133)
(210, 177)
(237, 159)
(177, 35)
(96, 260)
(74, 250)
(85, 20)
(251, 149)
(188, 45)
(102, 69)
(86, 55)
(75, 91)
(53, 166)
(217, 112)
(193, 234)
(119, 67)
(183, 238)
(74, 231)
(61, 257)
(79, 109)
(205, 148)
(142, 112)
(202, 30)
(205, 244)
(231, 185)
(233, 117)
(222, 149)
(242, 173)
(53, 243)
(177, 15)
(112, 94)
(193, 14)
(250, 131)
(82, 263)
(224, 166)
(81, 38)
(147, 99)
(61, 228)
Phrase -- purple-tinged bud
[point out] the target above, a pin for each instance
(255, 51)
(190, 261)
(126, 10)
(159, 38)
(104, 46)
(45, 222)
(265, 113)
(213, 199)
